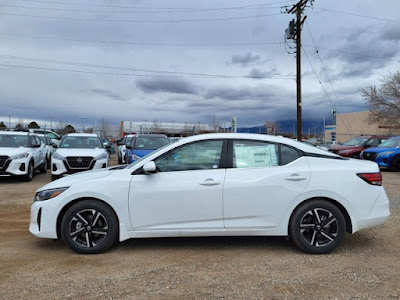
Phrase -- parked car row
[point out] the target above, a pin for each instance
(24, 152)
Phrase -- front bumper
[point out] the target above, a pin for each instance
(61, 167)
(15, 167)
(383, 161)
(43, 221)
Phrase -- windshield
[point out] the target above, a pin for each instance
(43, 139)
(355, 142)
(390, 143)
(150, 143)
(81, 142)
(13, 141)
(128, 140)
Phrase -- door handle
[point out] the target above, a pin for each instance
(210, 182)
(296, 177)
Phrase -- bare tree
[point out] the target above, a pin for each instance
(104, 127)
(384, 102)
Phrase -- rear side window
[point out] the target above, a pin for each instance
(288, 154)
(256, 154)
(252, 154)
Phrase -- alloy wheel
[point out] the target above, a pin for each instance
(319, 227)
(88, 228)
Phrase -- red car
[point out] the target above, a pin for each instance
(353, 147)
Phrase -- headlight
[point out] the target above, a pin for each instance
(102, 156)
(20, 156)
(48, 194)
(135, 157)
(386, 153)
(58, 156)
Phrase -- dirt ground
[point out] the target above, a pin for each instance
(366, 266)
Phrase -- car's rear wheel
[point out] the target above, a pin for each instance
(317, 227)
(48, 163)
(89, 227)
(395, 166)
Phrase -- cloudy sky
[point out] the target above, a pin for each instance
(189, 61)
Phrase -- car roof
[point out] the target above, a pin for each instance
(16, 133)
(150, 135)
(255, 136)
(82, 134)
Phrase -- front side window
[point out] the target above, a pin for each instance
(81, 142)
(252, 154)
(196, 156)
(13, 141)
(356, 142)
(373, 142)
(52, 136)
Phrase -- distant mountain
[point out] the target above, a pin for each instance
(289, 127)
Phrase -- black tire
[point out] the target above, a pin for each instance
(89, 227)
(317, 227)
(395, 166)
(356, 156)
(48, 163)
(43, 168)
(54, 177)
(119, 160)
(30, 172)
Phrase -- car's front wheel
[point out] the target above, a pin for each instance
(317, 227)
(89, 227)
(29, 172)
(395, 166)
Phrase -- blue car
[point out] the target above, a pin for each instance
(386, 155)
(143, 144)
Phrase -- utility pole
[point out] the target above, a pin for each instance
(294, 32)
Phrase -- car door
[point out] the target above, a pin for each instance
(185, 193)
(35, 149)
(265, 179)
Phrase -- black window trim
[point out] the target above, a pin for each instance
(230, 150)
(222, 163)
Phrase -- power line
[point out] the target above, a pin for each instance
(352, 53)
(170, 74)
(141, 43)
(142, 7)
(346, 122)
(155, 11)
(142, 21)
(357, 15)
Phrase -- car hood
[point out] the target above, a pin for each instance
(381, 149)
(80, 152)
(78, 177)
(6, 151)
(340, 148)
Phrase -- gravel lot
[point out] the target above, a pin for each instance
(366, 266)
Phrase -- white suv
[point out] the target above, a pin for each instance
(21, 153)
(122, 148)
(78, 152)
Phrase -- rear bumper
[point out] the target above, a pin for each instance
(378, 214)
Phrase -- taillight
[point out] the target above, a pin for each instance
(371, 178)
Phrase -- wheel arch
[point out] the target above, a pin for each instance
(349, 226)
(73, 202)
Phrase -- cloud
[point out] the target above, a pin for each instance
(166, 85)
(245, 59)
(256, 73)
(108, 94)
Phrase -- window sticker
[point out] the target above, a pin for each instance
(247, 156)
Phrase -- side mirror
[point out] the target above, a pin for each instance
(35, 145)
(149, 167)
(128, 147)
(54, 145)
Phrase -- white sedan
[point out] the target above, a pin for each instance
(216, 185)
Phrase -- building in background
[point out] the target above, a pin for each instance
(167, 128)
(355, 124)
